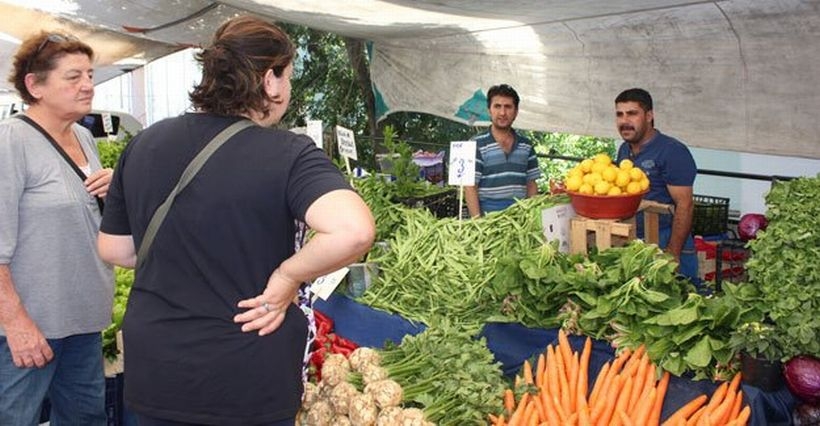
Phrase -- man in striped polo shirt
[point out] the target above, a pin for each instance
(506, 166)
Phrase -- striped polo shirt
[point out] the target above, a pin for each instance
(502, 176)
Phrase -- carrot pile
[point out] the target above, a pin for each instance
(725, 407)
(626, 392)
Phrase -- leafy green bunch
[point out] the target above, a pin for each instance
(784, 280)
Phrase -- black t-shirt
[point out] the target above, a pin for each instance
(185, 358)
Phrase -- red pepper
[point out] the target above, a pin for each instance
(323, 322)
(341, 341)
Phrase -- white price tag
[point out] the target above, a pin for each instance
(325, 285)
(314, 131)
(462, 163)
(347, 144)
(108, 126)
(555, 222)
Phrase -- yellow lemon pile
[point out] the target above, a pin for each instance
(600, 176)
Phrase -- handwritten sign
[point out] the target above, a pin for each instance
(314, 131)
(555, 222)
(346, 142)
(108, 126)
(462, 163)
(325, 285)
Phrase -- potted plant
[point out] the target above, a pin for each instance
(760, 355)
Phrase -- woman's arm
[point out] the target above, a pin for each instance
(117, 249)
(344, 231)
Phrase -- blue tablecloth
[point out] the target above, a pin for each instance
(511, 344)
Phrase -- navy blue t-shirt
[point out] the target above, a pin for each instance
(185, 358)
(665, 161)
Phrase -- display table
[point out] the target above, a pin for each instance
(512, 343)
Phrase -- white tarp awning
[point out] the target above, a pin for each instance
(738, 75)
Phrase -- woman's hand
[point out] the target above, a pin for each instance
(266, 312)
(97, 183)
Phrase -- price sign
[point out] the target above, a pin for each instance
(107, 125)
(462, 163)
(314, 131)
(347, 144)
(323, 286)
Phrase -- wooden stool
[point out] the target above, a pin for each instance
(604, 230)
(651, 210)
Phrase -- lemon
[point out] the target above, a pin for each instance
(622, 179)
(635, 174)
(575, 171)
(609, 174)
(602, 187)
(585, 189)
(633, 188)
(644, 183)
(626, 164)
(586, 165)
(574, 182)
(592, 178)
(602, 158)
(614, 191)
(597, 167)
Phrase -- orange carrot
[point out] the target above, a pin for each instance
(563, 389)
(599, 382)
(608, 403)
(583, 367)
(549, 409)
(624, 419)
(573, 382)
(509, 400)
(539, 408)
(563, 344)
(571, 420)
(717, 396)
(517, 416)
(611, 381)
(623, 400)
(663, 385)
(720, 414)
(744, 415)
(583, 413)
(737, 405)
(553, 383)
(639, 383)
(527, 367)
(620, 360)
(641, 412)
(696, 416)
(540, 366)
(686, 410)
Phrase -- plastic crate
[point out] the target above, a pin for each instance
(441, 204)
(711, 215)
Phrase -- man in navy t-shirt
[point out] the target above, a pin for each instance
(671, 171)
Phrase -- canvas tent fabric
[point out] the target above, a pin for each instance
(737, 75)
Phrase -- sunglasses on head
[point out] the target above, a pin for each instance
(53, 38)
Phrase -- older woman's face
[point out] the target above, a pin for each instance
(69, 88)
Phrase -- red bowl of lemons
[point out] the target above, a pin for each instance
(599, 189)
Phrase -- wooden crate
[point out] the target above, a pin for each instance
(604, 232)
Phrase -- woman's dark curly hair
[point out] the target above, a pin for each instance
(234, 66)
(39, 55)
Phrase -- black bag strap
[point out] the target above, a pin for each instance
(187, 175)
(62, 153)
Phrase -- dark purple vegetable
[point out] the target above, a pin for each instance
(802, 374)
(806, 415)
(749, 224)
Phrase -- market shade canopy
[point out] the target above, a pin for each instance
(738, 75)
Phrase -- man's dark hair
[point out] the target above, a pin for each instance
(642, 97)
(502, 90)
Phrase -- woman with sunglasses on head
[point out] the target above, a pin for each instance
(218, 318)
(55, 292)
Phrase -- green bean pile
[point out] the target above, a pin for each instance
(443, 267)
